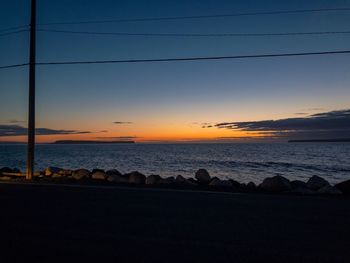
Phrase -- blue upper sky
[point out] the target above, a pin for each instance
(173, 96)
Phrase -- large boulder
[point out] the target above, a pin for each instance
(251, 186)
(49, 171)
(329, 190)
(216, 182)
(183, 181)
(298, 184)
(136, 178)
(344, 187)
(116, 178)
(276, 184)
(315, 183)
(113, 172)
(81, 174)
(98, 175)
(168, 180)
(6, 170)
(153, 179)
(203, 176)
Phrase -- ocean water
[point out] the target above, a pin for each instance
(241, 161)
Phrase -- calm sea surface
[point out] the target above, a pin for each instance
(244, 162)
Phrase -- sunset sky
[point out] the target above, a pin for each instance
(177, 101)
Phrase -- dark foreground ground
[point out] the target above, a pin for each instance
(72, 224)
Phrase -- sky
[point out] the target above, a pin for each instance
(176, 101)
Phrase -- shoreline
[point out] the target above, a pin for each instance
(202, 181)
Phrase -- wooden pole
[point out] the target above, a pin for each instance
(31, 112)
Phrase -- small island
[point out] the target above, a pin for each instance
(90, 142)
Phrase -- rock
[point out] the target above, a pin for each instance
(203, 176)
(180, 179)
(329, 190)
(136, 178)
(168, 180)
(153, 179)
(6, 170)
(344, 187)
(191, 181)
(235, 184)
(65, 172)
(114, 172)
(251, 186)
(80, 174)
(298, 184)
(116, 178)
(315, 183)
(49, 171)
(183, 181)
(98, 175)
(276, 184)
(220, 183)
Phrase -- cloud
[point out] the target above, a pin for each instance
(118, 138)
(333, 124)
(122, 122)
(301, 113)
(15, 121)
(17, 130)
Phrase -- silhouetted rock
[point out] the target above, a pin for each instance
(203, 176)
(80, 174)
(192, 181)
(220, 183)
(98, 174)
(114, 172)
(153, 179)
(6, 170)
(329, 190)
(117, 178)
(276, 184)
(298, 184)
(316, 182)
(49, 171)
(180, 179)
(251, 186)
(168, 180)
(136, 178)
(235, 184)
(344, 187)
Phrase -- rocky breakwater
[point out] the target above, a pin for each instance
(202, 180)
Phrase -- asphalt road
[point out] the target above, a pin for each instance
(111, 224)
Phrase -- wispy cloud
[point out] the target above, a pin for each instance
(17, 130)
(122, 122)
(333, 124)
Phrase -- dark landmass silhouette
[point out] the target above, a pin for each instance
(323, 140)
(89, 142)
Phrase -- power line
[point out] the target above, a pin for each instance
(13, 28)
(195, 58)
(13, 32)
(14, 66)
(195, 34)
(280, 12)
(181, 59)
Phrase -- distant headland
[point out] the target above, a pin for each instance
(323, 140)
(89, 142)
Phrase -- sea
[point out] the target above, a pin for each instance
(243, 162)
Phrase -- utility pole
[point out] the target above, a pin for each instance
(31, 112)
